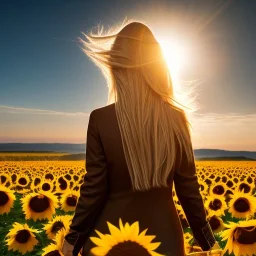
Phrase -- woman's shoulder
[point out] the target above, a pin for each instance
(102, 109)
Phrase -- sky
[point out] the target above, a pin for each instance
(48, 86)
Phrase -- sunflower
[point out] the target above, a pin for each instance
(245, 187)
(203, 188)
(55, 249)
(49, 176)
(21, 237)
(216, 205)
(192, 248)
(4, 178)
(6, 199)
(216, 223)
(22, 181)
(241, 237)
(52, 250)
(14, 177)
(187, 237)
(180, 211)
(40, 205)
(230, 184)
(124, 241)
(218, 188)
(35, 183)
(242, 205)
(62, 184)
(56, 224)
(69, 200)
(46, 185)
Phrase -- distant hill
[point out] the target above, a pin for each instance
(43, 147)
(81, 156)
(217, 153)
(77, 151)
(223, 158)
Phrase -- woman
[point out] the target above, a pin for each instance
(137, 146)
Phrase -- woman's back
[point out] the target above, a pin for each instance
(107, 194)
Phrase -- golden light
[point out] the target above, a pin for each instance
(176, 56)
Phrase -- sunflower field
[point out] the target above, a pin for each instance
(38, 200)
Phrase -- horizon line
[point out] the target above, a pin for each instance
(85, 143)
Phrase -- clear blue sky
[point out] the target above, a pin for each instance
(45, 79)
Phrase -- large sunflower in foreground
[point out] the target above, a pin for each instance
(124, 241)
(6, 199)
(242, 205)
(39, 205)
(56, 224)
(241, 238)
(21, 237)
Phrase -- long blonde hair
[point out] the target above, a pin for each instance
(152, 123)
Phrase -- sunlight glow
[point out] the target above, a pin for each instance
(176, 56)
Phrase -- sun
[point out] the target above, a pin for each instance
(176, 55)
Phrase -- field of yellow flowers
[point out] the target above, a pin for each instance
(38, 199)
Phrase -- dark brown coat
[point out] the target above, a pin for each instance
(106, 195)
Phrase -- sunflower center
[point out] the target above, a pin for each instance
(3, 198)
(22, 181)
(245, 187)
(229, 192)
(39, 204)
(63, 183)
(68, 177)
(128, 248)
(46, 187)
(230, 184)
(217, 179)
(75, 177)
(214, 222)
(224, 178)
(14, 177)
(57, 226)
(36, 181)
(242, 205)
(249, 179)
(2, 178)
(208, 181)
(71, 200)
(219, 190)
(246, 235)
(49, 176)
(22, 236)
(53, 253)
(215, 204)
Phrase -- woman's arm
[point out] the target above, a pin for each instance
(187, 190)
(93, 191)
